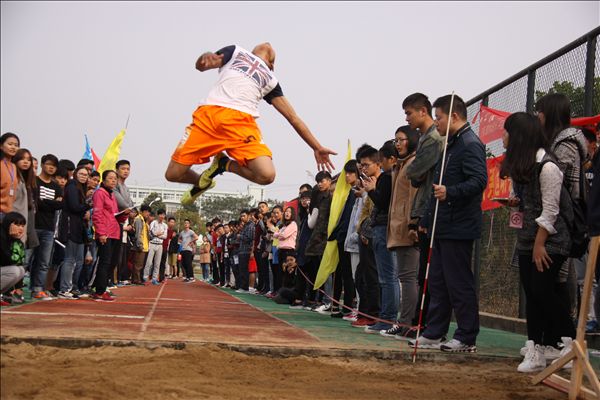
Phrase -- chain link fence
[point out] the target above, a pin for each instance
(573, 70)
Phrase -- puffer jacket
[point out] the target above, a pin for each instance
(106, 223)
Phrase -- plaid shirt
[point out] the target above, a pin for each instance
(247, 238)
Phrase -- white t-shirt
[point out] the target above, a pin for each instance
(244, 79)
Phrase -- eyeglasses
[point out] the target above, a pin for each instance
(396, 141)
(364, 165)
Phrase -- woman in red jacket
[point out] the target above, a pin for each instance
(108, 232)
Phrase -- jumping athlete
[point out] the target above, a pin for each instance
(226, 123)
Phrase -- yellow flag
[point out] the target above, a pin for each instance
(112, 153)
(331, 257)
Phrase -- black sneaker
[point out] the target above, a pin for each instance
(406, 333)
(337, 314)
(392, 332)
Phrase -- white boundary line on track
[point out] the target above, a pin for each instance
(151, 313)
(73, 314)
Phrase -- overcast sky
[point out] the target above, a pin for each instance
(71, 68)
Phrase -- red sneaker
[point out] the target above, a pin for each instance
(361, 322)
(4, 303)
(102, 297)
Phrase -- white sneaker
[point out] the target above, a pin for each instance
(551, 353)
(252, 290)
(323, 309)
(534, 358)
(567, 345)
(425, 343)
(456, 346)
(67, 295)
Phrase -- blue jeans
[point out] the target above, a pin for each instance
(41, 263)
(72, 262)
(205, 274)
(387, 274)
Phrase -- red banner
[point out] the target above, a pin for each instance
(496, 187)
(586, 121)
(491, 124)
(491, 130)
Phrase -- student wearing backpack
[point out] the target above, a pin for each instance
(543, 241)
(570, 148)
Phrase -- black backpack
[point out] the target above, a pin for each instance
(578, 228)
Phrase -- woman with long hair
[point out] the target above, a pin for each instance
(543, 241)
(73, 232)
(24, 162)
(25, 205)
(569, 146)
(287, 243)
(9, 180)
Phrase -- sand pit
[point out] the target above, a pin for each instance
(41, 372)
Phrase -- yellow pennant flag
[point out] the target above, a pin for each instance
(111, 156)
(331, 257)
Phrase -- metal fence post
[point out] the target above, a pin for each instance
(477, 250)
(590, 64)
(530, 102)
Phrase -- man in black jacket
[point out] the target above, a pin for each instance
(459, 219)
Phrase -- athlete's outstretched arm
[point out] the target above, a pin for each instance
(322, 154)
(208, 61)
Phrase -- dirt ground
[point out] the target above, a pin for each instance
(41, 372)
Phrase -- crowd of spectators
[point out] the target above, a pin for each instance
(78, 234)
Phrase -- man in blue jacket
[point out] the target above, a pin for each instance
(459, 219)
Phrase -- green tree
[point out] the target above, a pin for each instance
(154, 205)
(274, 202)
(224, 207)
(576, 94)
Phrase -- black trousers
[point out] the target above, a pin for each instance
(452, 288)
(304, 288)
(225, 270)
(264, 283)
(244, 274)
(343, 279)
(186, 263)
(163, 262)
(367, 282)
(123, 271)
(547, 312)
(108, 256)
(277, 276)
(116, 264)
(214, 270)
(423, 255)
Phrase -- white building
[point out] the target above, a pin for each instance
(171, 196)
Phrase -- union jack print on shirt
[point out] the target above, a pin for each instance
(252, 68)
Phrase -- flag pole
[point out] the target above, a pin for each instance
(127, 122)
(437, 204)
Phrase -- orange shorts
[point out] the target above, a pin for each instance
(215, 129)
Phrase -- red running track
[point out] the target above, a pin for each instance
(174, 311)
